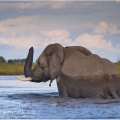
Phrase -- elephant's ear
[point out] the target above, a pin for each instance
(55, 57)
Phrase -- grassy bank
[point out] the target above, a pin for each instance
(118, 65)
(17, 68)
(12, 69)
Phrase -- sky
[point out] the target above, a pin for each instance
(91, 24)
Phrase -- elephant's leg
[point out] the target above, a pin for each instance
(112, 91)
(118, 92)
(61, 88)
(102, 94)
(107, 96)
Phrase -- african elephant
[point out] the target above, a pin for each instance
(78, 72)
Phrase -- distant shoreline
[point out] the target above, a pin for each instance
(11, 74)
(12, 69)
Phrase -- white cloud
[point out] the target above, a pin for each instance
(32, 23)
(21, 42)
(28, 31)
(84, 4)
(94, 41)
(59, 4)
(55, 33)
(101, 28)
(55, 36)
(38, 41)
(104, 27)
(118, 46)
(24, 32)
(20, 24)
(44, 38)
(117, 1)
(49, 4)
(38, 4)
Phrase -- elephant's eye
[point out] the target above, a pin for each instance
(40, 65)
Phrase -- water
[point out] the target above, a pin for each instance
(37, 100)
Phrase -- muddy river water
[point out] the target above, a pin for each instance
(37, 100)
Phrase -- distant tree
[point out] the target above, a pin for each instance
(13, 61)
(10, 61)
(2, 60)
(16, 61)
(22, 60)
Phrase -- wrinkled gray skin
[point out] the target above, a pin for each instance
(78, 72)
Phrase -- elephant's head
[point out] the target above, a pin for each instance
(48, 66)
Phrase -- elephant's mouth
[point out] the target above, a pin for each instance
(44, 79)
(41, 78)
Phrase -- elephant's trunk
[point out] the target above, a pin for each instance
(28, 63)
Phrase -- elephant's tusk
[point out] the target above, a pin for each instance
(24, 79)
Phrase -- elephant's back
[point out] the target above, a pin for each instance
(77, 65)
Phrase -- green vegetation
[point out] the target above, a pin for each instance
(12, 67)
(118, 65)
(16, 66)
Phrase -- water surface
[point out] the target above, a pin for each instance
(37, 100)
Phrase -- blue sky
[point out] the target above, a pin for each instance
(92, 24)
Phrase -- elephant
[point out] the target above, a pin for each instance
(78, 72)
